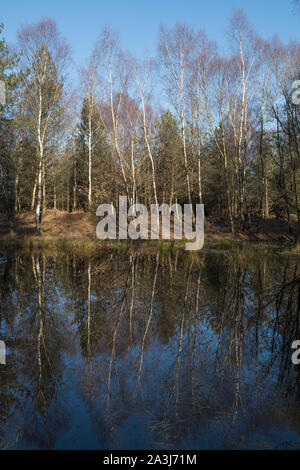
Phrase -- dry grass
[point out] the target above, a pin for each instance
(56, 224)
(79, 230)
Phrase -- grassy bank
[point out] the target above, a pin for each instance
(76, 232)
(84, 246)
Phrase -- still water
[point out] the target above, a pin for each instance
(137, 350)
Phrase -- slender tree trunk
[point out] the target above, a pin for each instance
(187, 173)
(267, 212)
(17, 198)
(199, 107)
(44, 186)
(115, 119)
(68, 192)
(54, 197)
(34, 194)
(133, 172)
(229, 205)
(75, 190)
(90, 162)
(17, 202)
(38, 210)
(200, 180)
(18, 166)
(151, 159)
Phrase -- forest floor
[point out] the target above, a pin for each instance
(70, 226)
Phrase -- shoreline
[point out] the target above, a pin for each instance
(77, 231)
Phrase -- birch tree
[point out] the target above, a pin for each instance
(176, 50)
(240, 88)
(142, 72)
(199, 70)
(115, 76)
(91, 82)
(44, 59)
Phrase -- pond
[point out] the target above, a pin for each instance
(150, 350)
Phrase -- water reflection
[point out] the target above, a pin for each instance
(133, 350)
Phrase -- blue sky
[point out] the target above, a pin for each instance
(137, 21)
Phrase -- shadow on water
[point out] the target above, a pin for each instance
(142, 351)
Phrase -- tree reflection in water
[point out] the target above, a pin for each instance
(135, 350)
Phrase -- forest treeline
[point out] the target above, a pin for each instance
(192, 125)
